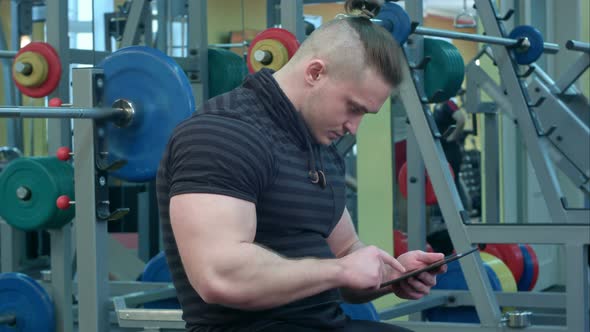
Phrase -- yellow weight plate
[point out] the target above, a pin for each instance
(503, 273)
(279, 53)
(38, 71)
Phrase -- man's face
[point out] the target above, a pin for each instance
(337, 106)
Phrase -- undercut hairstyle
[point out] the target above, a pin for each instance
(351, 44)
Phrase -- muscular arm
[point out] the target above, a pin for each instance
(215, 234)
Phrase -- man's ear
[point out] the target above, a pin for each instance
(315, 71)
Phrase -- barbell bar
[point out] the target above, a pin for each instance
(7, 319)
(121, 113)
(7, 54)
(550, 48)
(577, 46)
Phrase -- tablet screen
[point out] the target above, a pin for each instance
(430, 267)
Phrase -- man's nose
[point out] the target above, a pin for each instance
(352, 125)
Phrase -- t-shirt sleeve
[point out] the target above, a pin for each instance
(219, 155)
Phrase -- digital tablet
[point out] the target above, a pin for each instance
(430, 267)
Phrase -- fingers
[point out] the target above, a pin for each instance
(417, 287)
(429, 257)
(389, 260)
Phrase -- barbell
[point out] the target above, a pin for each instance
(526, 41)
(149, 95)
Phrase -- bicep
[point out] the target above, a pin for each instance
(344, 239)
(204, 225)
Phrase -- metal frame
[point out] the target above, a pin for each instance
(198, 47)
(91, 233)
(292, 17)
(576, 237)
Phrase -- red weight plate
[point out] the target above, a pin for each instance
(53, 74)
(511, 255)
(430, 196)
(400, 243)
(283, 36)
(492, 249)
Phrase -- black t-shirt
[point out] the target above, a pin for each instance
(252, 144)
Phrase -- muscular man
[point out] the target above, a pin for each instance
(252, 197)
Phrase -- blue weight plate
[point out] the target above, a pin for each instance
(28, 301)
(162, 96)
(157, 270)
(360, 311)
(535, 38)
(527, 275)
(454, 279)
(396, 20)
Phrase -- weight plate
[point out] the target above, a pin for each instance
(53, 70)
(534, 262)
(511, 255)
(286, 38)
(400, 21)
(502, 271)
(530, 55)
(8, 154)
(157, 270)
(444, 71)
(28, 301)
(162, 96)
(29, 188)
(38, 72)
(455, 279)
(227, 70)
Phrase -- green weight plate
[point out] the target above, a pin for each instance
(227, 70)
(445, 70)
(455, 63)
(38, 182)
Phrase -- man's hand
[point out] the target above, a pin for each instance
(368, 268)
(416, 287)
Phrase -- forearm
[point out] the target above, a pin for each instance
(250, 277)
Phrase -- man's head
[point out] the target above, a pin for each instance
(345, 69)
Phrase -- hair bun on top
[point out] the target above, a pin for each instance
(364, 8)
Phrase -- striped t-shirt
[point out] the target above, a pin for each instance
(252, 144)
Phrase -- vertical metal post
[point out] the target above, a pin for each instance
(292, 17)
(416, 180)
(131, 33)
(198, 46)
(148, 226)
(576, 258)
(61, 277)
(11, 247)
(15, 126)
(59, 130)
(91, 233)
(492, 171)
(9, 87)
(162, 35)
(60, 134)
(273, 8)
